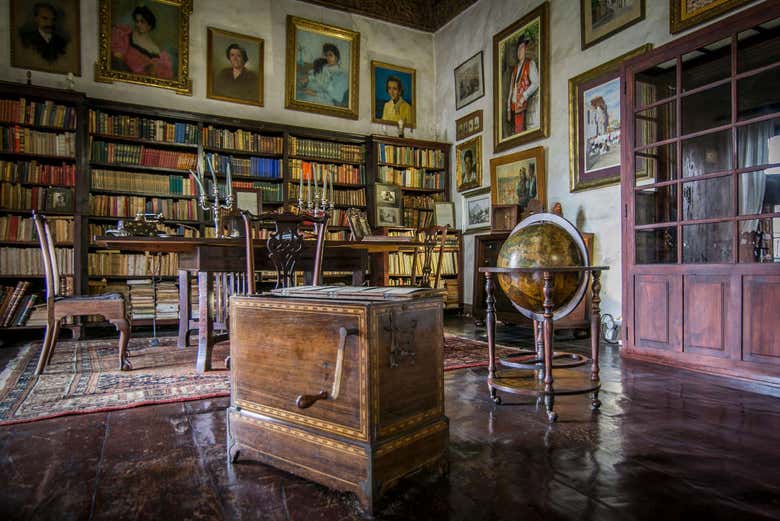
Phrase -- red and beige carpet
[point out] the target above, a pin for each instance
(82, 377)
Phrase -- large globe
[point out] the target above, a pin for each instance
(543, 239)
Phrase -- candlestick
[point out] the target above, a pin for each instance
(229, 181)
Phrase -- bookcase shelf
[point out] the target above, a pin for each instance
(193, 147)
(237, 152)
(314, 159)
(142, 194)
(139, 168)
(28, 155)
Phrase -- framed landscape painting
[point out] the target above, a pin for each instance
(594, 124)
(521, 80)
(600, 19)
(469, 81)
(46, 36)
(684, 14)
(234, 67)
(517, 178)
(322, 68)
(476, 210)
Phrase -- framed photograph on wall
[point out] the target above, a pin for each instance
(468, 125)
(684, 14)
(517, 178)
(469, 164)
(322, 70)
(234, 67)
(594, 124)
(476, 210)
(469, 81)
(600, 19)
(249, 200)
(387, 195)
(521, 80)
(145, 43)
(444, 214)
(388, 216)
(46, 36)
(393, 94)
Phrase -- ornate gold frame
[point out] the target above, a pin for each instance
(543, 14)
(613, 66)
(679, 20)
(351, 111)
(477, 144)
(413, 102)
(211, 31)
(541, 172)
(182, 84)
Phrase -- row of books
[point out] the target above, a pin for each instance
(418, 201)
(271, 192)
(153, 184)
(144, 304)
(343, 174)
(27, 141)
(417, 157)
(20, 228)
(253, 166)
(400, 263)
(16, 304)
(143, 128)
(99, 230)
(113, 263)
(127, 154)
(414, 218)
(243, 140)
(327, 150)
(340, 197)
(42, 113)
(128, 206)
(28, 261)
(33, 172)
(411, 177)
(17, 197)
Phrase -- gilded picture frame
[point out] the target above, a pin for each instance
(468, 157)
(469, 125)
(164, 58)
(594, 124)
(61, 54)
(518, 119)
(683, 15)
(477, 210)
(322, 68)
(599, 21)
(519, 177)
(469, 81)
(393, 94)
(225, 48)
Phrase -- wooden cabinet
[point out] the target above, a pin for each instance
(486, 248)
(380, 365)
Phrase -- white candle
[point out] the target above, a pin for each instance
(324, 187)
(229, 180)
(196, 177)
(331, 189)
(300, 188)
(314, 174)
(211, 171)
(308, 189)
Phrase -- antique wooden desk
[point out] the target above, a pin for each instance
(342, 391)
(536, 377)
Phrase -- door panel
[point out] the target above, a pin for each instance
(761, 316)
(706, 314)
(657, 308)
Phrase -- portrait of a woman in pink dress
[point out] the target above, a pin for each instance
(133, 49)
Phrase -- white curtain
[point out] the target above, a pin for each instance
(753, 149)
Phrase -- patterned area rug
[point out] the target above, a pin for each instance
(82, 377)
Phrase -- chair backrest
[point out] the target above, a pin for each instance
(48, 256)
(285, 244)
(433, 241)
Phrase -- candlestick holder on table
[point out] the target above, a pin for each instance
(316, 202)
(216, 201)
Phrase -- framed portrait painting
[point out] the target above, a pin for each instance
(468, 125)
(600, 19)
(322, 68)
(517, 178)
(469, 164)
(146, 43)
(234, 66)
(594, 124)
(476, 210)
(521, 80)
(393, 94)
(46, 36)
(469, 81)
(684, 14)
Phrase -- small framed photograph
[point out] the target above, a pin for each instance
(469, 81)
(517, 178)
(59, 200)
(249, 200)
(235, 67)
(358, 224)
(387, 195)
(468, 125)
(469, 166)
(46, 36)
(684, 14)
(476, 210)
(393, 96)
(600, 19)
(388, 216)
(444, 214)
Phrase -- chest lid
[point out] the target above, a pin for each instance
(358, 292)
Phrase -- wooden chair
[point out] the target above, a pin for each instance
(285, 245)
(109, 305)
(433, 241)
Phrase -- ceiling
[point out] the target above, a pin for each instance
(426, 15)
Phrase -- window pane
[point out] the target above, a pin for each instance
(656, 83)
(759, 192)
(753, 143)
(710, 243)
(758, 47)
(706, 109)
(706, 64)
(708, 153)
(707, 198)
(655, 124)
(759, 240)
(656, 205)
(656, 246)
(655, 164)
(759, 94)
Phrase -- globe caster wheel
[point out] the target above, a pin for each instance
(497, 400)
(595, 404)
(552, 416)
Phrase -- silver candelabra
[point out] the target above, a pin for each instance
(216, 201)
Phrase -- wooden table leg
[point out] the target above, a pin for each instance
(549, 393)
(185, 308)
(595, 335)
(205, 322)
(490, 319)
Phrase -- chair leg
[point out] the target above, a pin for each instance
(123, 326)
(49, 339)
(55, 335)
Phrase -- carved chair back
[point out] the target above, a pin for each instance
(50, 268)
(433, 242)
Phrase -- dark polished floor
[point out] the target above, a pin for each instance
(667, 444)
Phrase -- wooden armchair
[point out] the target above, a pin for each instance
(434, 239)
(285, 245)
(109, 305)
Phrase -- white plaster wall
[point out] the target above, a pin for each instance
(597, 210)
(265, 19)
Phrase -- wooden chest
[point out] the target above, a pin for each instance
(387, 418)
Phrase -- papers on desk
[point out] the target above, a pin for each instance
(357, 292)
(385, 238)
